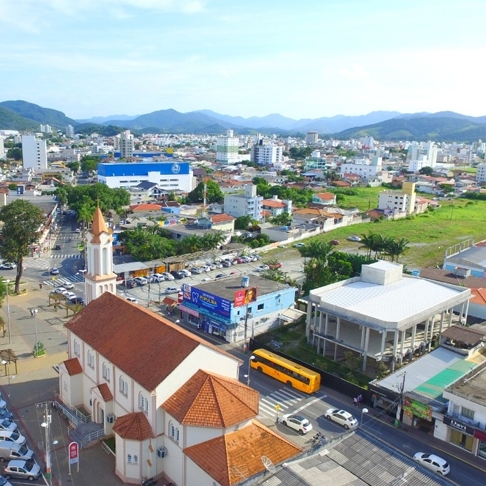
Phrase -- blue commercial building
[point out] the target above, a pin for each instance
(236, 308)
(168, 175)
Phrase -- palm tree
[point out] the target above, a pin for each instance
(396, 247)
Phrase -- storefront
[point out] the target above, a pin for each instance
(417, 413)
(460, 433)
(480, 435)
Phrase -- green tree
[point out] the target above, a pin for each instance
(426, 171)
(89, 163)
(21, 222)
(243, 222)
(283, 219)
(14, 153)
(74, 166)
(395, 247)
(213, 193)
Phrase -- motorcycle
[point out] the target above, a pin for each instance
(318, 438)
(148, 481)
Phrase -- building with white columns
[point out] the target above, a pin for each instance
(383, 315)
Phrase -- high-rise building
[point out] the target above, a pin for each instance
(126, 144)
(247, 204)
(45, 128)
(34, 153)
(311, 138)
(227, 148)
(3, 154)
(265, 153)
(421, 155)
(70, 131)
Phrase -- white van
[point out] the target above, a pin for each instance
(11, 450)
(12, 436)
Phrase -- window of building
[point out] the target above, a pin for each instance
(174, 431)
(90, 359)
(467, 412)
(132, 459)
(106, 372)
(77, 348)
(142, 402)
(261, 307)
(123, 386)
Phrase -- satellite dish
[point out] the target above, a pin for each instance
(269, 466)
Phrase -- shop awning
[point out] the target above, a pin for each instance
(192, 312)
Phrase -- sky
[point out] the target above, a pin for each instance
(301, 59)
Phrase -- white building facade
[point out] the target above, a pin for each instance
(227, 149)
(247, 204)
(267, 154)
(34, 153)
(365, 168)
(481, 174)
(126, 144)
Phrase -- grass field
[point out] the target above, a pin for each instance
(429, 233)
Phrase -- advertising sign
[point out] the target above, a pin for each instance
(459, 425)
(416, 408)
(245, 296)
(206, 300)
(73, 453)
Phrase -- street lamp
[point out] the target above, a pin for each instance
(10, 377)
(247, 376)
(46, 424)
(401, 388)
(363, 411)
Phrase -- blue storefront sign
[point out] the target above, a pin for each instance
(206, 300)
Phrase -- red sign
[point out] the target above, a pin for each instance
(245, 296)
(73, 452)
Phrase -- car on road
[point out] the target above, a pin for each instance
(57, 247)
(220, 275)
(433, 463)
(172, 290)
(77, 230)
(334, 242)
(341, 417)
(68, 285)
(297, 422)
(59, 290)
(132, 300)
(54, 271)
(22, 470)
(69, 295)
(354, 238)
(8, 266)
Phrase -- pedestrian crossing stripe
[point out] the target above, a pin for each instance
(58, 256)
(282, 400)
(57, 282)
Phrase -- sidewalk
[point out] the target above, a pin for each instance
(34, 381)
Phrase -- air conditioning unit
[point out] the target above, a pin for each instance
(110, 418)
(162, 452)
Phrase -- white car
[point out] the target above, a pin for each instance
(68, 285)
(7, 424)
(168, 276)
(141, 280)
(354, 238)
(132, 300)
(187, 273)
(297, 422)
(172, 290)
(433, 463)
(341, 417)
(12, 436)
(70, 295)
(60, 290)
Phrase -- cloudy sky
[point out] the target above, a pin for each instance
(302, 59)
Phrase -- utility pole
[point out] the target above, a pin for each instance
(400, 403)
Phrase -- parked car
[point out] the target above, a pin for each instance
(140, 280)
(234, 273)
(262, 268)
(9, 451)
(5, 414)
(154, 279)
(177, 275)
(7, 424)
(70, 295)
(334, 242)
(297, 422)
(341, 417)
(206, 279)
(354, 238)
(132, 300)
(12, 436)
(220, 275)
(172, 290)
(59, 290)
(167, 276)
(4, 482)
(185, 272)
(299, 245)
(197, 270)
(433, 463)
(160, 276)
(77, 300)
(54, 271)
(68, 285)
(22, 469)
(226, 264)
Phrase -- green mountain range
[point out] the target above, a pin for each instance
(443, 126)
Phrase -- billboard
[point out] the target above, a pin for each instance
(245, 296)
(206, 300)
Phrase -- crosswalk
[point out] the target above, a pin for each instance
(63, 280)
(63, 256)
(285, 400)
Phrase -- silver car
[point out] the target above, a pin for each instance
(342, 417)
(22, 469)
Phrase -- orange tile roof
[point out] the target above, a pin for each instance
(210, 400)
(341, 184)
(105, 392)
(326, 196)
(222, 218)
(98, 226)
(73, 366)
(272, 203)
(146, 207)
(123, 332)
(478, 296)
(225, 458)
(133, 426)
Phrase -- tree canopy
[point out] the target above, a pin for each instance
(89, 163)
(213, 193)
(22, 221)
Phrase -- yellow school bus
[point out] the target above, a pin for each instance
(284, 370)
